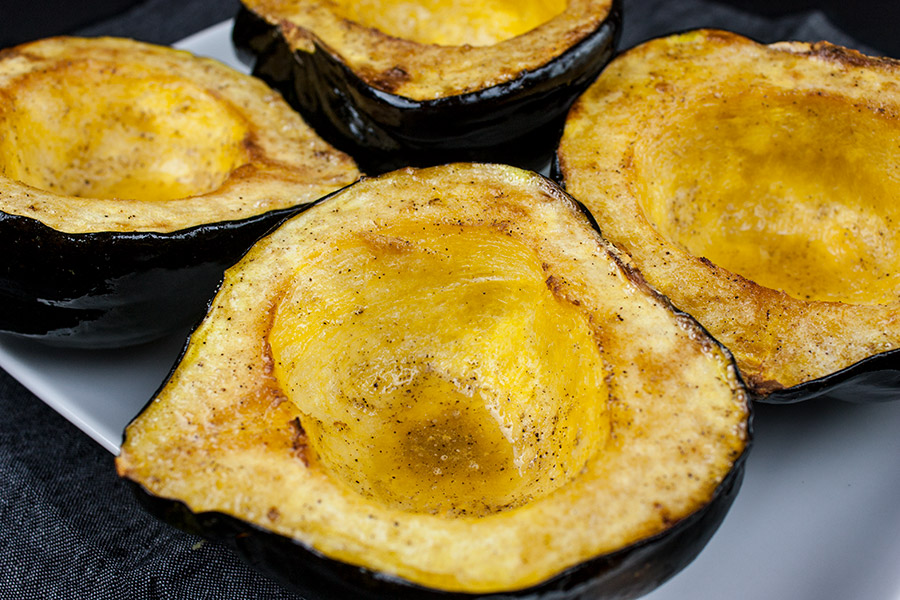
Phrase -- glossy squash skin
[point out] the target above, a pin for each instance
(756, 186)
(431, 383)
(131, 175)
(113, 289)
(392, 102)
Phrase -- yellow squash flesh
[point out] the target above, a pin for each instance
(448, 376)
(431, 49)
(446, 23)
(110, 134)
(757, 187)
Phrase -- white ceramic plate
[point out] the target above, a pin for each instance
(818, 517)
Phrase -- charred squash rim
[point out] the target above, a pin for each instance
(841, 349)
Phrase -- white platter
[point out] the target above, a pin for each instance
(818, 516)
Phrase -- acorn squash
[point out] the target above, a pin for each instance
(444, 380)
(427, 82)
(131, 175)
(757, 187)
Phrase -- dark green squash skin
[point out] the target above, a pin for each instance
(518, 122)
(110, 289)
(873, 379)
(625, 574)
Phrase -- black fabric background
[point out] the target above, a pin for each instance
(68, 528)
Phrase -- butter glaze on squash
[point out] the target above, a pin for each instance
(758, 190)
(444, 380)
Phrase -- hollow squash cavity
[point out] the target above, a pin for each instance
(469, 387)
(757, 187)
(448, 22)
(444, 380)
(792, 191)
(109, 134)
(87, 129)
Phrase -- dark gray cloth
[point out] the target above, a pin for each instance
(69, 529)
(164, 21)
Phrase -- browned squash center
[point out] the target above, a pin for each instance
(88, 129)
(451, 22)
(800, 194)
(438, 372)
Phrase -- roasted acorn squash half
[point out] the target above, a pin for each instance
(758, 187)
(131, 175)
(427, 82)
(444, 380)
